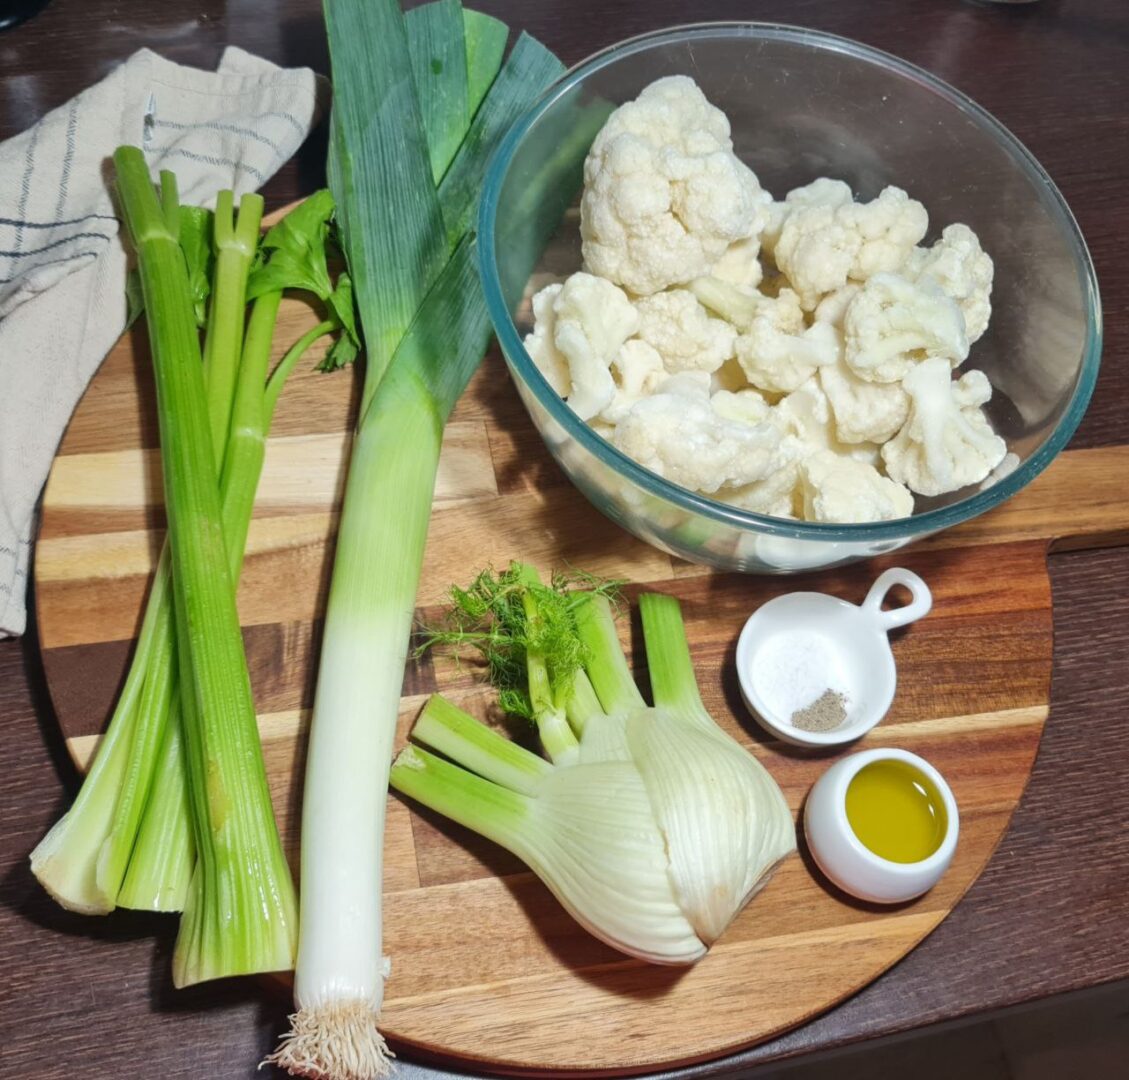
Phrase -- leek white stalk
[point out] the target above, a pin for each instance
(656, 833)
(339, 978)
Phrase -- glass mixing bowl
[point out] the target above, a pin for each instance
(804, 104)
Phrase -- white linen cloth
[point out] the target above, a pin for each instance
(62, 260)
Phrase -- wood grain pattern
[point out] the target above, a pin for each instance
(91, 999)
(973, 700)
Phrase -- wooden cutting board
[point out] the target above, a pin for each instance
(486, 967)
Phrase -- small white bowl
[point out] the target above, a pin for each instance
(797, 646)
(846, 860)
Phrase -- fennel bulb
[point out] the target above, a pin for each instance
(660, 827)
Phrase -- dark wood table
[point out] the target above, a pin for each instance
(92, 998)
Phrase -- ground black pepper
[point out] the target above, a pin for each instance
(826, 713)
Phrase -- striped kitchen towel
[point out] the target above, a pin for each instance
(62, 261)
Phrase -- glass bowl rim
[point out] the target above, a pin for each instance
(901, 528)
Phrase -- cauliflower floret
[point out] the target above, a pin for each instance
(774, 341)
(686, 336)
(541, 344)
(945, 444)
(889, 227)
(833, 307)
(777, 494)
(804, 421)
(823, 191)
(963, 270)
(972, 389)
(815, 250)
(824, 237)
(839, 489)
(740, 264)
(638, 371)
(744, 406)
(579, 328)
(740, 307)
(774, 215)
(664, 194)
(780, 362)
(864, 411)
(893, 324)
(677, 433)
(806, 413)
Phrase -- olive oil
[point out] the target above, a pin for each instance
(896, 811)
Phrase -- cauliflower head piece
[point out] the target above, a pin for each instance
(814, 249)
(947, 442)
(664, 194)
(780, 362)
(741, 406)
(637, 371)
(889, 227)
(839, 489)
(963, 270)
(541, 343)
(821, 237)
(678, 434)
(742, 306)
(579, 328)
(806, 415)
(683, 332)
(777, 495)
(864, 411)
(833, 307)
(893, 324)
(740, 263)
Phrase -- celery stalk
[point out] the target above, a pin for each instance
(236, 243)
(65, 861)
(162, 858)
(240, 911)
(119, 789)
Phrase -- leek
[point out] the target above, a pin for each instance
(426, 328)
(661, 827)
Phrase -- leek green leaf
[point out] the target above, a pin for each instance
(528, 70)
(439, 65)
(380, 174)
(485, 46)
